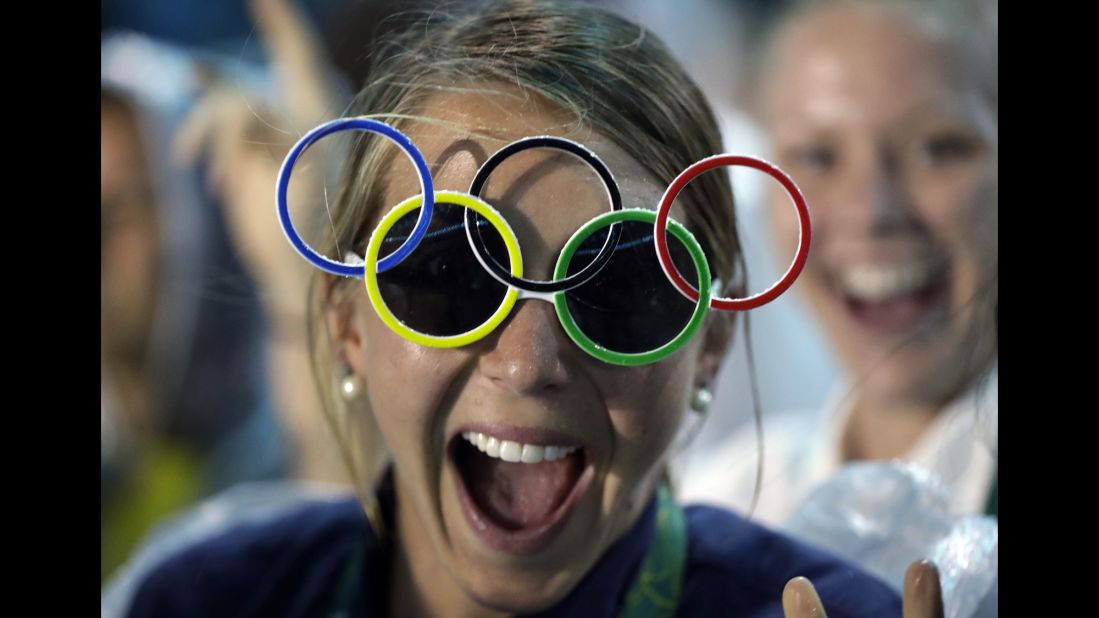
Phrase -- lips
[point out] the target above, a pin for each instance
(517, 486)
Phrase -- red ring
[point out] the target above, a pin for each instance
(660, 231)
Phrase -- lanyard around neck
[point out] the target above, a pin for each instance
(655, 592)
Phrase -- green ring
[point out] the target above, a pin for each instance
(371, 275)
(702, 267)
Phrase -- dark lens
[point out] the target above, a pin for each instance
(440, 288)
(630, 306)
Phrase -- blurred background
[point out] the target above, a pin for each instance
(196, 322)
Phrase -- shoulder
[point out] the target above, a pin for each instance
(287, 564)
(737, 567)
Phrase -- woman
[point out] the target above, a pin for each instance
(887, 117)
(517, 474)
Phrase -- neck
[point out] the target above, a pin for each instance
(886, 429)
(421, 585)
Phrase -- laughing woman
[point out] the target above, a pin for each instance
(511, 452)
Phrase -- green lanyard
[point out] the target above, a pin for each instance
(350, 581)
(655, 590)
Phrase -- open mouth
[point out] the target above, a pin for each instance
(896, 300)
(517, 486)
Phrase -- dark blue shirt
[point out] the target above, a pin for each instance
(297, 565)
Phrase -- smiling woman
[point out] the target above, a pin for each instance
(902, 175)
(511, 533)
(886, 114)
(518, 472)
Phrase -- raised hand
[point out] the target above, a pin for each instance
(246, 142)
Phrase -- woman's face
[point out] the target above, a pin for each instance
(518, 536)
(895, 152)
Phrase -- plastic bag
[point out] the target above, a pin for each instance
(885, 515)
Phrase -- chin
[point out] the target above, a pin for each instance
(912, 372)
(515, 593)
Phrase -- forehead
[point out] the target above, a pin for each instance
(458, 128)
(866, 64)
(544, 194)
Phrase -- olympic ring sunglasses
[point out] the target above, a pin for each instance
(444, 268)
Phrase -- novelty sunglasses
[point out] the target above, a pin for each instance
(444, 268)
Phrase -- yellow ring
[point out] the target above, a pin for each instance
(371, 276)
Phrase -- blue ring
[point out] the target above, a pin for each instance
(427, 188)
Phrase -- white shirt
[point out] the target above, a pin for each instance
(803, 449)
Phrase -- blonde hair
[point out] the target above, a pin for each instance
(615, 76)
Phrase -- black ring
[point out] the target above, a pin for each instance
(588, 272)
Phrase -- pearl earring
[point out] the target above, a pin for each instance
(701, 399)
(351, 386)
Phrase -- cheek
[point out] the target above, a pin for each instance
(952, 200)
(646, 408)
(961, 210)
(784, 234)
(784, 225)
(407, 385)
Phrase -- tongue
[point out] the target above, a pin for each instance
(519, 495)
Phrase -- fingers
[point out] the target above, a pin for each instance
(800, 600)
(231, 128)
(298, 58)
(217, 125)
(923, 597)
(221, 122)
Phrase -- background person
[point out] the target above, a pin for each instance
(886, 116)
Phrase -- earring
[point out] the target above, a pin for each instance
(351, 386)
(701, 399)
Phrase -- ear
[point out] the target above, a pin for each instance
(345, 328)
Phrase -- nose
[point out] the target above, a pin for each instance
(879, 194)
(526, 354)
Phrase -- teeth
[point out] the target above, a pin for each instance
(492, 447)
(876, 283)
(532, 454)
(515, 451)
(510, 451)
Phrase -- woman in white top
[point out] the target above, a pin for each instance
(887, 119)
